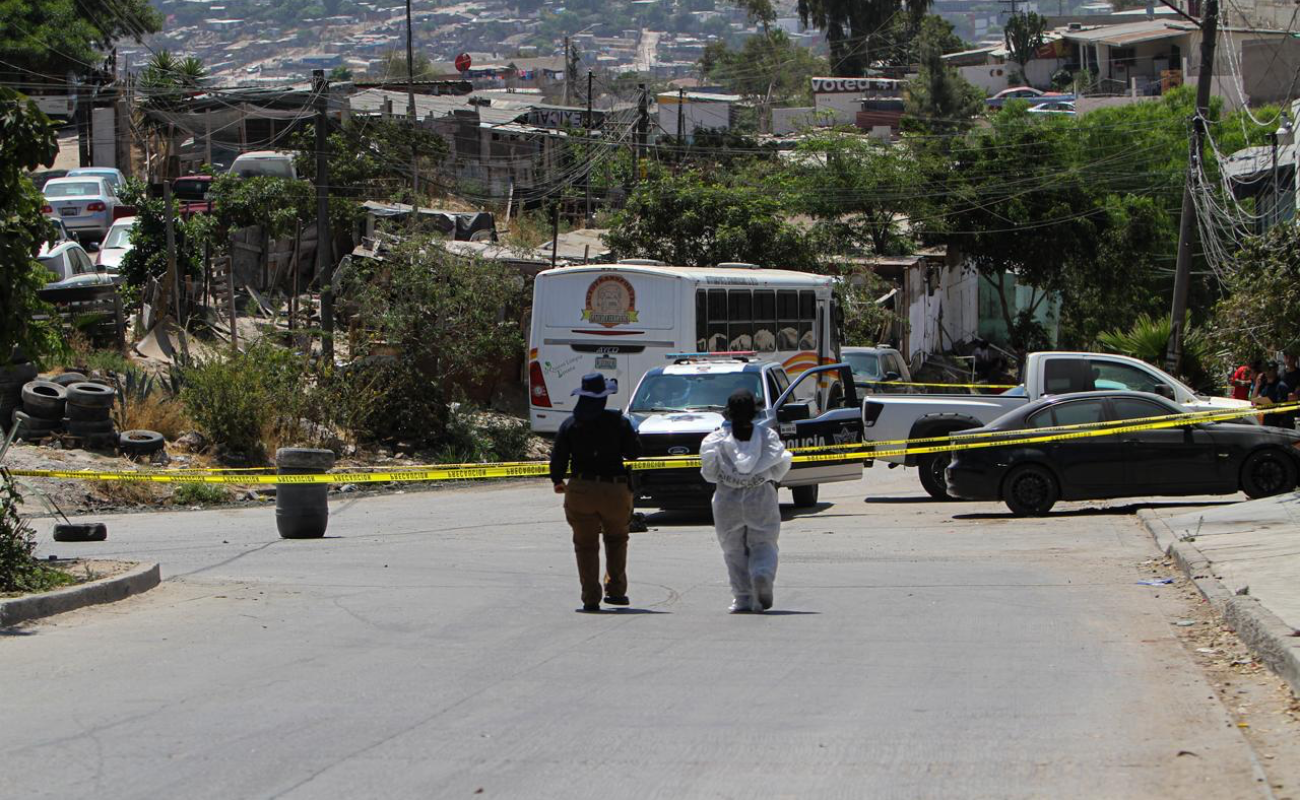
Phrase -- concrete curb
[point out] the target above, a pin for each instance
(140, 578)
(1262, 631)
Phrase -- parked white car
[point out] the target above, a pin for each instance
(115, 245)
(264, 164)
(114, 176)
(1054, 107)
(85, 205)
(875, 369)
(69, 266)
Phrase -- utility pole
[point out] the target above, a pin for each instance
(1186, 227)
(324, 259)
(568, 71)
(410, 100)
(642, 117)
(587, 179)
(681, 117)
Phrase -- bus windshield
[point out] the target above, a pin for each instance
(706, 392)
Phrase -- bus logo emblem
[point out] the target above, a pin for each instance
(611, 301)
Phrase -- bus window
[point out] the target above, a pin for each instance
(765, 321)
(807, 321)
(741, 319)
(701, 321)
(787, 315)
(718, 340)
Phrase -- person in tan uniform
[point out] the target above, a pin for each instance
(591, 447)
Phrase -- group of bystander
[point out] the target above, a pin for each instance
(1266, 384)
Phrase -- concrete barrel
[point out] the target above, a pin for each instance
(302, 511)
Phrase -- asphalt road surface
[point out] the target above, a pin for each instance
(429, 648)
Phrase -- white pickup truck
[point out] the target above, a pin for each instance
(913, 416)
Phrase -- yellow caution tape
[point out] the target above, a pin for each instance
(528, 469)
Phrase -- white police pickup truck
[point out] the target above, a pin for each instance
(914, 416)
(675, 406)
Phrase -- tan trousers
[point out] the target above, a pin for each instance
(595, 509)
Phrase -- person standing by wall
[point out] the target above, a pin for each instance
(592, 446)
(746, 462)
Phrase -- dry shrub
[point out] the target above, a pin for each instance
(129, 493)
(159, 413)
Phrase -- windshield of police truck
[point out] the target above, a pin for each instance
(703, 392)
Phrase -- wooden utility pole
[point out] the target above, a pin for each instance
(568, 72)
(590, 148)
(642, 117)
(1187, 224)
(324, 260)
(410, 98)
(173, 273)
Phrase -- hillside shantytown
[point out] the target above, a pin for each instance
(649, 398)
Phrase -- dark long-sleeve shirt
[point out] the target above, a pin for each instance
(594, 447)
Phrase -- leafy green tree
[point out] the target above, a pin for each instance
(768, 69)
(340, 74)
(939, 100)
(899, 44)
(1024, 34)
(27, 141)
(1261, 296)
(147, 258)
(687, 221)
(392, 67)
(849, 25)
(54, 37)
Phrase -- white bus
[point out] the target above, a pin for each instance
(626, 318)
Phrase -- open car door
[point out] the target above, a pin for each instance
(801, 424)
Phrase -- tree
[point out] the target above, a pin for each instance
(687, 221)
(768, 69)
(54, 37)
(850, 24)
(856, 188)
(147, 258)
(1024, 35)
(899, 44)
(1261, 296)
(392, 67)
(939, 100)
(27, 141)
(340, 75)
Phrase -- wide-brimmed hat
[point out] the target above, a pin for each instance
(596, 385)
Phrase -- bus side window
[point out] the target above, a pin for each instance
(741, 319)
(787, 314)
(765, 321)
(701, 321)
(807, 321)
(718, 340)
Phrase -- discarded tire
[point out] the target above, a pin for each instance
(86, 393)
(31, 429)
(140, 443)
(80, 532)
(80, 413)
(302, 511)
(68, 378)
(96, 428)
(44, 399)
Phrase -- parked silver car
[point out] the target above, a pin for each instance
(113, 175)
(69, 266)
(115, 245)
(85, 205)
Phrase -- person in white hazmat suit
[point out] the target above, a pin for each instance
(746, 463)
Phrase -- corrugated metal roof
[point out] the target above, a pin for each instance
(1131, 33)
(371, 101)
(1248, 164)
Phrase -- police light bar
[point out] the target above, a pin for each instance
(715, 354)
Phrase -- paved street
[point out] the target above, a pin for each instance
(429, 648)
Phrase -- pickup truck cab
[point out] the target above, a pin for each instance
(675, 406)
(889, 418)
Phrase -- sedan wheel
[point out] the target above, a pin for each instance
(1030, 491)
(1267, 473)
(932, 469)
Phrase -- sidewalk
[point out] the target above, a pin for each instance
(1245, 559)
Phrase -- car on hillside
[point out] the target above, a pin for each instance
(264, 164)
(676, 405)
(70, 265)
(1027, 93)
(113, 175)
(116, 244)
(191, 192)
(1191, 459)
(875, 369)
(86, 206)
(1065, 107)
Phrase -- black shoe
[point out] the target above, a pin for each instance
(589, 608)
(620, 600)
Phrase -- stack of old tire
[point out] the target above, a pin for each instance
(13, 377)
(42, 411)
(89, 415)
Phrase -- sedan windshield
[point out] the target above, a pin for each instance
(693, 392)
(71, 190)
(866, 366)
(119, 238)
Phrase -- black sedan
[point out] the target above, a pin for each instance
(1196, 458)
